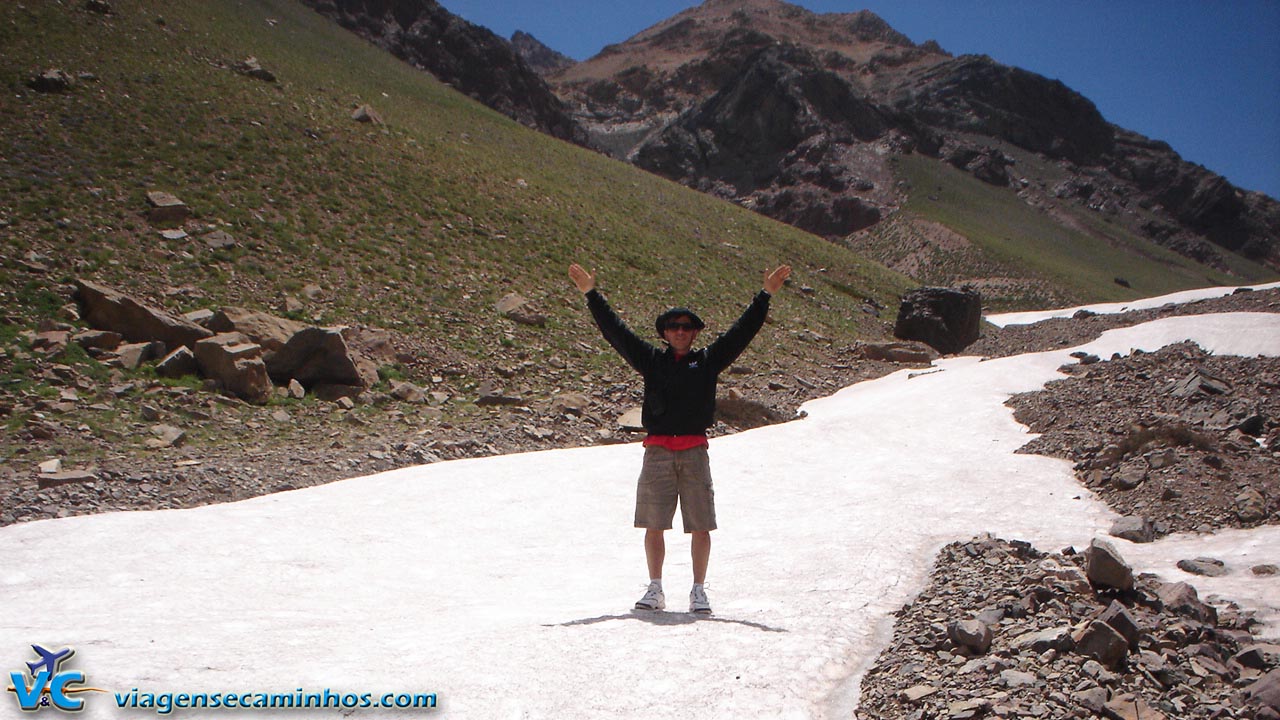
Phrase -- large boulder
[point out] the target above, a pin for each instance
(236, 364)
(320, 356)
(1106, 568)
(107, 309)
(1183, 599)
(267, 330)
(946, 319)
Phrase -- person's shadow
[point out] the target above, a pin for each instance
(666, 618)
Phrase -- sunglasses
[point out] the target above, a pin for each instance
(681, 326)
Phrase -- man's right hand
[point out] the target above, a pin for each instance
(585, 281)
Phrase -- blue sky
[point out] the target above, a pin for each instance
(1202, 76)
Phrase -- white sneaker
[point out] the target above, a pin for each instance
(698, 602)
(653, 598)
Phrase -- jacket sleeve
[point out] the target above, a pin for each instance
(638, 353)
(727, 347)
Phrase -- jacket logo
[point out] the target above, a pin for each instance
(693, 364)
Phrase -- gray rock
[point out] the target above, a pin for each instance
(489, 395)
(408, 392)
(1093, 699)
(296, 391)
(65, 477)
(1260, 656)
(250, 67)
(179, 363)
(570, 403)
(1133, 528)
(1104, 566)
(1018, 678)
(218, 240)
(1265, 570)
(99, 339)
(320, 356)
(200, 317)
(1102, 642)
(1251, 506)
(1158, 459)
(1039, 641)
(130, 356)
(515, 307)
(972, 634)
(1200, 382)
(236, 364)
(166, 436)
(1131, 474)
(366, 114)
(166, 208)
(916, 693)
(265, 329)
(1208, 567)
(52, 80)
(1183, 599)
(1265, 691)
(51, 342)
(1118, 617)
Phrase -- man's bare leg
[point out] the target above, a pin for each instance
(700, 548)
(655, 551)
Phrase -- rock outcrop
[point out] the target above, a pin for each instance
(249, 351)
(540, 58)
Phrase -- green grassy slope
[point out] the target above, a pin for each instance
(419, 225)
(1062, 254)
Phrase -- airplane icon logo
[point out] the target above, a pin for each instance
(50, 661)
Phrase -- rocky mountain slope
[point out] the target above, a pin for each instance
(804, 116)
(466, 56)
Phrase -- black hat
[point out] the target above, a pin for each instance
(676, 312)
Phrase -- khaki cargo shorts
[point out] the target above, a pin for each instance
(667, 475)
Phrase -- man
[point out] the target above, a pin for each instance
(679, 406)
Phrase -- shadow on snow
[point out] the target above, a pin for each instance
(666, 618)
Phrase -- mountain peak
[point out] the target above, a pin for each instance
(542, 59)
(787, 22)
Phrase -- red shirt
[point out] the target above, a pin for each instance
(676, 442)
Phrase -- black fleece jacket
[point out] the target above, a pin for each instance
(679, 395)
